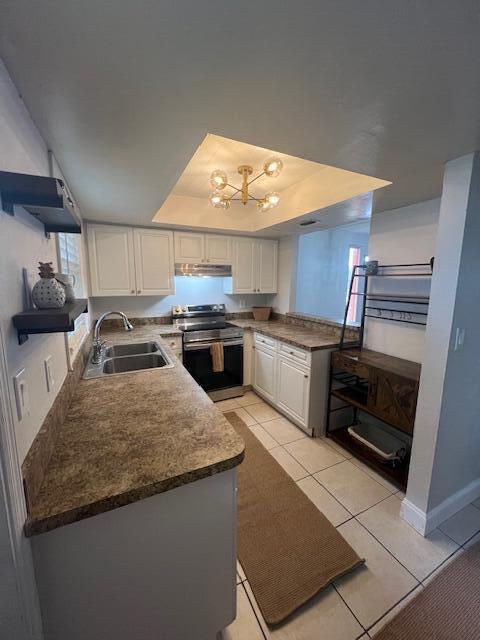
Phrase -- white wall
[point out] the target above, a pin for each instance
(187, 291)
(23, 244)
(445, 466)
(284, 300)
(401, 236)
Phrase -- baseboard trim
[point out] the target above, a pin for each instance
(425, 522)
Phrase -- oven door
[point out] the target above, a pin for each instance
(198, 361)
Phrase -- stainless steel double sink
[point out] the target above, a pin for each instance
(128, 358)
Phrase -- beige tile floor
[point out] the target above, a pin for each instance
(366, 510)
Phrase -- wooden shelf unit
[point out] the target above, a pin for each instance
(382, 386)
(398, 475)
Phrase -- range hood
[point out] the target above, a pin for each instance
(203, 270)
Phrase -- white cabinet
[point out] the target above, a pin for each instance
(254, 266)
(126, 261)
(112, 262)
(243, 267)
(293, 389)
(195, 248)
(153, 262)
(267, 266)
(189, 247)
(293, 380)
(218, 249)
(264, 372)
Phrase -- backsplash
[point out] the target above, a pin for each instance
(328, 326)
(39, 454)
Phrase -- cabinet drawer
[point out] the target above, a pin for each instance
(299, 355)
(264, 341)
(340, 361)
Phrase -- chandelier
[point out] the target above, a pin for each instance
(219, 181)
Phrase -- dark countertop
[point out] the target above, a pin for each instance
(131, 436)
(311, 339)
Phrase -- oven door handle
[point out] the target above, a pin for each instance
(197, 346)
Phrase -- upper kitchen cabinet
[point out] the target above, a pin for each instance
(197, 248)
(218, 249)
(267, 257)
(154, 269)
(254, 266)
(126, 261)
(112, 262)
(189, 247)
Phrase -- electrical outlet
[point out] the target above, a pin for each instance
(21, 394)
(49, 373)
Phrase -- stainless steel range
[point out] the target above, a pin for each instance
(204, 326)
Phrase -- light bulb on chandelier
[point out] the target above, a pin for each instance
(219, 180)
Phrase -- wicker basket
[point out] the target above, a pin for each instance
(261, 313)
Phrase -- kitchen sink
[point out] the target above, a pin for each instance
(128, 358)
(134, 349)
(134, 363)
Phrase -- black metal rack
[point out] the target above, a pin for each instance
(413, 309)
(349, 389)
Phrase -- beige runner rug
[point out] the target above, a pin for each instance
(447, 609)
(288, 549)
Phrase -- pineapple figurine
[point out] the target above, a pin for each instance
(48, 293)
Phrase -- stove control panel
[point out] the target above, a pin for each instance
(192, 310)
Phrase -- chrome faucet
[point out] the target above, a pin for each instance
(98, 343)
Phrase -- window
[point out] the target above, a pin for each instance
(354, 259)
(324, 266)
(70, 261)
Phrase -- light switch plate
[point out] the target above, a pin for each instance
(21, 394)
(49, 373)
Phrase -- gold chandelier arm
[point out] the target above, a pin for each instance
(256, 178)
(236, 189)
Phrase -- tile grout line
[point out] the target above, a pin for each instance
(368, 629)
(388, 550)
(348, 607)
(253, 609)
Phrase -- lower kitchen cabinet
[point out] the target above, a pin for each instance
(132, 572)
(293, 389)
(293, 380)
(264, 376)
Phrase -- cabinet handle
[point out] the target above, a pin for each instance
(138, 291)
(132, 291)
(291, 353)
(305, 375)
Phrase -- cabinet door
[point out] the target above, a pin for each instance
(111, 257)
(243, 268)
(293, 389)
(264, 373)
(154, 262)
(189, 247)
(267, 266)
(218, 249)
(394, 399)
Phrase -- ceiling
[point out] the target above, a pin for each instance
(124, 92)
(304, 187)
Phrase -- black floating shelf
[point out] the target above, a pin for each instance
(45, 198)
(48, 320)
